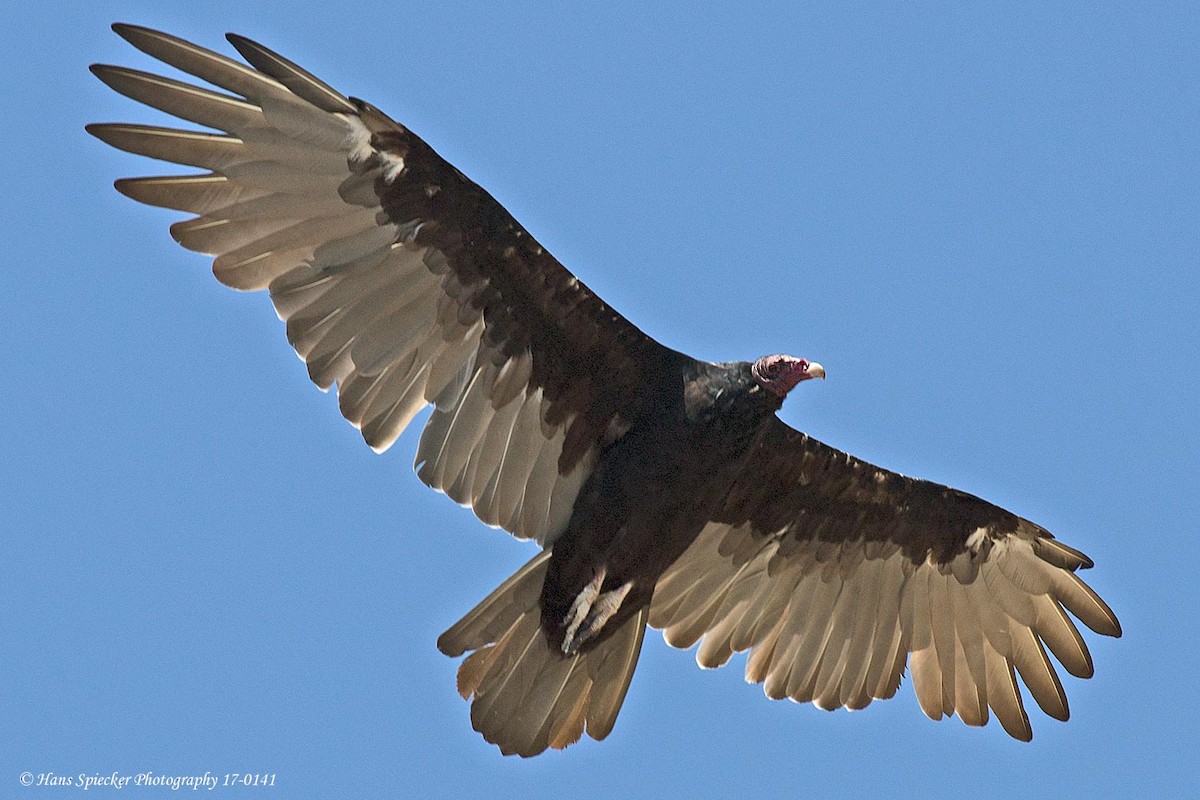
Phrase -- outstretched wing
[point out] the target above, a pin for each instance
(400, 280)
(832, 571)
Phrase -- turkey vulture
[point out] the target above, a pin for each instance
(663, 490)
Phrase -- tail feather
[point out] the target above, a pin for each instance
(611, 670)
(529, 696)
(496, 614)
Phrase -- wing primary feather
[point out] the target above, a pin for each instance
(205, 64)
(1060, 555)
(1004, 695)
(201, 106)
(196, 194)
(192, 148)
(1055, 628)
(300, 81)
(1082, 601)
(1031, 661)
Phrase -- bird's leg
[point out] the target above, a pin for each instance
(602, 610)
(580, 608)
(590, 610)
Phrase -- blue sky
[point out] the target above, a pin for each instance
(981, 221)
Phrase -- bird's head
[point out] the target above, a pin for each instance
(780, 373)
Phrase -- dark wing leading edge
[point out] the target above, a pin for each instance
(832, 571)
(400, 280)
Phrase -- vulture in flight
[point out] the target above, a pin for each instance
(663, 490)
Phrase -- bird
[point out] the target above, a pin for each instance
(663, 490)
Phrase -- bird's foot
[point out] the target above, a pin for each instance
(586, 621)
(579, 610)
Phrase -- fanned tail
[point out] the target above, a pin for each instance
(527, 695)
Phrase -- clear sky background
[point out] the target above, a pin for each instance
(981, 218)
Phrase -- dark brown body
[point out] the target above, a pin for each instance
(654, 489)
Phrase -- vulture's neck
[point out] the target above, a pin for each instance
(728, 394)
